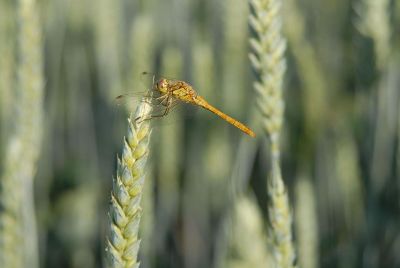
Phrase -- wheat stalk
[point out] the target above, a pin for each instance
(316, 86)
(18, 246)
(125, 210)
(248, 238)
(374, 22)
(108, 46)
(169, 155)
(268, 60)
(306, 223)
(142, 49)
(7, 65)
(235, 36)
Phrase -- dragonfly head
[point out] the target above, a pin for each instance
(162, 85)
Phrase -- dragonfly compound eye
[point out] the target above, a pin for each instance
(162, 83)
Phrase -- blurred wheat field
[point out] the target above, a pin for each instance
(318, 81)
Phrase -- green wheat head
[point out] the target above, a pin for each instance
(125, 210)
(18, 238)
(269, 62)
(374, 22)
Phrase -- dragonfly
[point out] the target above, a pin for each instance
(170, 92)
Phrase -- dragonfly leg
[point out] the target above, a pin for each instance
(150, 95)
(141, 119)
(164, 100)
(167, 105)
(147, 101)
(149, 98)
(173, 104)
(160, 115)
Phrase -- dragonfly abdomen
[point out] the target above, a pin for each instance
(204, 104)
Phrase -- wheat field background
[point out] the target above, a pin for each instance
(83, 184)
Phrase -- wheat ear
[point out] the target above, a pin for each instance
(268, 60)
(125, 210)
(18, 238)
(374, 22)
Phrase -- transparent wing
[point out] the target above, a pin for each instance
(148, 80)
(144, 91)
(129, 101)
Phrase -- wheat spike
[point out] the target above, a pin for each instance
(125, 210)
(18, 245)
(268, 60)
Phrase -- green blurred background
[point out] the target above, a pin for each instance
(205, 203)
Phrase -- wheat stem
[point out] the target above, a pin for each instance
(125, 210)
(235, 36)
(248, 237)
(315, 86)
(268, 60)
(306, 223)
(7, 65)
(169, 156)
(108, 46)
(374, 22)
